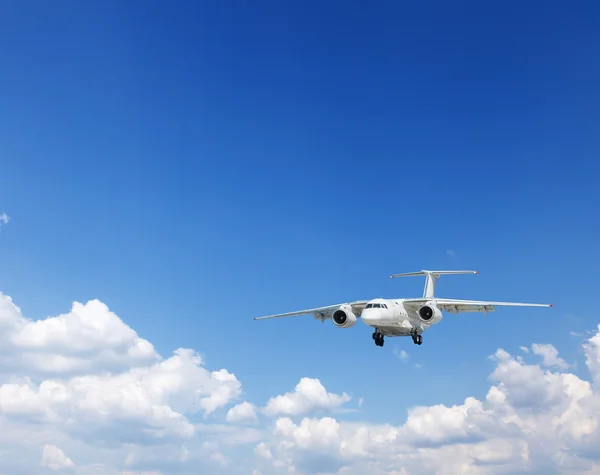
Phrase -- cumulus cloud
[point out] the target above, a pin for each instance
(4, 218)
(531, 419)
(243, 413)
(89, 339)
(85, 377)
(308, 396)
(549, 355)
(592, 356)
(89, 366)
(144, 402)
(149, 414)
(54, 458)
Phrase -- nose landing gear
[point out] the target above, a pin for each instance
(378, 337)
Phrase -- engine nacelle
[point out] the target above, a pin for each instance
(344, 317)
(430, 314)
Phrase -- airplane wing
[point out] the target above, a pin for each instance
(456, 306)
(322, 313)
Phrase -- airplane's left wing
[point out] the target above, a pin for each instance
(456, 306)
(321, 313)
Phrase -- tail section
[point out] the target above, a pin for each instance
(431, 277)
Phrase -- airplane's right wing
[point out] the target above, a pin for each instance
(321, 313)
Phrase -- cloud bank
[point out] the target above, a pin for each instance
(83, 393)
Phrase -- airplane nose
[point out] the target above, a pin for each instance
(369, 315)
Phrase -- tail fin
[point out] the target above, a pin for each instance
(431, 277)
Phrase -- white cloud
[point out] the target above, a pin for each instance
(530, 419)
(111, 389)
(308, 396)
(89, 339)
(152, 415)
(54, 458)
(450, 253)
(549, 355)
(242, 413)
(263, 451)
(4, 218)
(592, 356)
(149, 402)
(524, 349)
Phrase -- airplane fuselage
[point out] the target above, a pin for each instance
(390, 318)
(395, 320)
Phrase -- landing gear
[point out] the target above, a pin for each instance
(378, 337)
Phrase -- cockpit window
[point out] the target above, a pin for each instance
(376, 305)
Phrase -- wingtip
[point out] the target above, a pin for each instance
(477, 272)
(552, 305)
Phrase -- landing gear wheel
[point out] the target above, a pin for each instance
(378, 337)
(417, 339)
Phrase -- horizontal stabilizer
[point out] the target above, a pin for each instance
(431, 278)
(434, 272)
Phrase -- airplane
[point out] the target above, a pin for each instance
(404, 316)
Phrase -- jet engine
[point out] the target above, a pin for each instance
(344, 317)
(430, 314)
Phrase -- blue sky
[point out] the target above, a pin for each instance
(196, 165)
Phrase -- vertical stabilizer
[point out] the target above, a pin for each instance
(431, 277)
(430, 281)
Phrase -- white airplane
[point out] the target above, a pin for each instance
(403, 317)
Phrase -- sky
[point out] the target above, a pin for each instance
(172, 170)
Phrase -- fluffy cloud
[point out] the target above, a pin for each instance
(531, 419)
(243, 413)
(144, 402)
(308, 396)
(4, 218)
(54, 458)
(549, 355)
(82, 393)
(592, 356)
(88, 339)
(87, 379)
